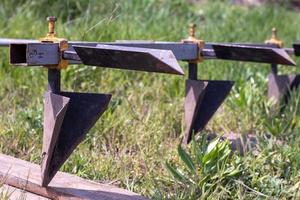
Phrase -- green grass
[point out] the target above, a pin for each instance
(144, 123)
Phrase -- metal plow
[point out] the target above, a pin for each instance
(204, 97)
(279, 86)
(68, 116)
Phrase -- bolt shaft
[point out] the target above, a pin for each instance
(51, 25)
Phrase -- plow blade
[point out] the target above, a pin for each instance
(67, 119)
(279, 86)
(202, 100)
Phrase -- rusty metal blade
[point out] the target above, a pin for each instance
(251, 54)
(209, 45)
(84, 109)
(279, 86)
(289, 51)
(203, 98)
(141, 59)
(55, 107)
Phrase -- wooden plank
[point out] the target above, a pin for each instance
(27, 176)
(12, 193)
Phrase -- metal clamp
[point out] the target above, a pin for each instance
(274, 39)
(51, 38)
(193, 39)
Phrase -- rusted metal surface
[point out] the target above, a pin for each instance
(202, 100)
(274, 68)
(68, 116)
(251, 54)
(71, 55)
(279, 86)
(55, 107)
(296, 47)
(84, 109)
(34, 54)
(182, 51)
(193, 71)
(54, 81)
(141, 59)
(266, 53)
(67, 119)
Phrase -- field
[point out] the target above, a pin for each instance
(135, 143)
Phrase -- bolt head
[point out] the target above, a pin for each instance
(51, 19)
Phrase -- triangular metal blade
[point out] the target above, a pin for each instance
(208, 45)
(280, 85)
(252, 54)
(194, 92)
(83, 111)
(133, 58)
(55, 107)
(203, 98)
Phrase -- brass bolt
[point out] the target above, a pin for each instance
(274, 33)
(193, 39)
(274, 39)
(192, 30)
(51, 25)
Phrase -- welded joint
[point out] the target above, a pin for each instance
(62, 43)
(192, 39)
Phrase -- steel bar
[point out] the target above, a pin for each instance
(296, 47)
(34, 54)
(182, 51)
(5, 42)
(274, 68)
(193, 70)
(54, 81)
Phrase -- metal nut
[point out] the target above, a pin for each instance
(51, 19)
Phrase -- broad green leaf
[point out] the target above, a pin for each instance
(177, 174)
(211, 152)
(186, 158)
(212, 145)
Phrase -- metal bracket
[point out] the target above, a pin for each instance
(274, 39)
(279, 86)
(193, 39)
(62, 43)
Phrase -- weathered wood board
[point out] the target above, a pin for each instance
(13, 193)
(27, 176)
